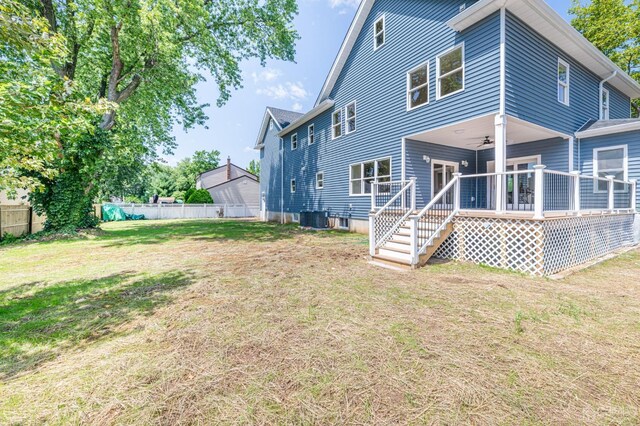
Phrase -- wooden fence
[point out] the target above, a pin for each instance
(19, 220)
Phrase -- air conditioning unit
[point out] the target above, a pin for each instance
(315, 220)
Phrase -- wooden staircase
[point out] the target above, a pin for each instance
(397, 251)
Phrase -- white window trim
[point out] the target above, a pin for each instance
(311, 130)
(440, 77)
(346, 118)
(361, 163)
(333, 126)
(295, 135)
(453, 164)
(383, 32)
(607, 114)
(427, 84)
(318, 186)
(559, 83)
(625, 165)
(291, 186)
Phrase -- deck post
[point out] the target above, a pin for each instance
(372, 235)
(413, 226)
(374, 187)
(501, 161)
(610, 187)
(633, 189)
(538, 204)
(576, 191)
(456, 192)
(413, 194)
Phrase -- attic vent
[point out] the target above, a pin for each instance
(463, 6)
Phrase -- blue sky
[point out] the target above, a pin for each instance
(233, 128)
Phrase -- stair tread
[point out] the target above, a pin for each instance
(392, 259)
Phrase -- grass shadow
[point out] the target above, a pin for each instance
(198, 230)
(40, 320)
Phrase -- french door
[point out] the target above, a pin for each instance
(441, 174)
(520, 187)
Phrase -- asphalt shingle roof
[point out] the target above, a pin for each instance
(601, 124)
(284, 117)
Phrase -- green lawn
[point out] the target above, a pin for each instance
(243, 322)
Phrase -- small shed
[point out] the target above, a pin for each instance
(231, 185)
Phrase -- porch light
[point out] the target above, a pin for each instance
(464, 163)
(426, 158)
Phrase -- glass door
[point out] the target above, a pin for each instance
(441, 174)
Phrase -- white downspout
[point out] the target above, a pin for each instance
(602, 89)
(282, 181)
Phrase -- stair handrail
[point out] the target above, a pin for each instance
(411, 182)
(410, 209)
(416, 248)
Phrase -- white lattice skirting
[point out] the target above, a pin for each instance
(536, 247)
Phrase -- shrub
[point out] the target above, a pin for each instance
(200, 196)
(188, 193)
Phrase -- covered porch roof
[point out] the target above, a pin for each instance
(470, 134)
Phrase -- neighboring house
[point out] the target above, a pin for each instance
(231, 185)
(433, 129)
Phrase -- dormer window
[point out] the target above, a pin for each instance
(378, 33)
(564, 76)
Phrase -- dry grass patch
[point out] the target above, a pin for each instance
(274, 325)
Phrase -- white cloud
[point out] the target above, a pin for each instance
(341, 3)
(288, 90)
(266, 75)
(297, 107)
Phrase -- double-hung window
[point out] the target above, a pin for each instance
(293, 186)
(418, 86)
(605, 105)
(564, 77)
(320, 180)
(378, 33)
(450, 70)
(311, 134)
(294, 141)
(336, 124)
(611, 161)
(364, 175)
(350, 114)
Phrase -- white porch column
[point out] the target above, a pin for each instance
(501, 161)
(538, 205)
(456, 192)
(633, 189)
(372, 234)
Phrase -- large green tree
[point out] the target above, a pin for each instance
(143, 59)
(38, 108)
(613, 26)
(188, 169)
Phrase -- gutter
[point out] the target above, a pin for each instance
(615, 72)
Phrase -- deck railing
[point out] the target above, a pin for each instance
(395, 208)
(539, 193)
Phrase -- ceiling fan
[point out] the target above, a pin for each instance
(486, 142)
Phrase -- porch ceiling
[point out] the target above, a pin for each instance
(469, 134)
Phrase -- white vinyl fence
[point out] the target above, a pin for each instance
(190, 211)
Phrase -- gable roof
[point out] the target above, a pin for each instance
(224, 167)
(249, 176)
(281, 117)
(607, 127)
(537, 13)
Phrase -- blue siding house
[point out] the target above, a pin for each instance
(488, 131)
